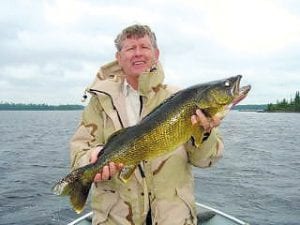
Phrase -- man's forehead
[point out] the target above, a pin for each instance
(136, 39)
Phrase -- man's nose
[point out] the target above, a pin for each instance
(138, 51)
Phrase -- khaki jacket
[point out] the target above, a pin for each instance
(165, 184)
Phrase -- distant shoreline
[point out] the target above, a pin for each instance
(251, 108)
(67, 107)
(38, 107)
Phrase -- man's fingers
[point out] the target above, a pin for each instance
(97, 178)
(105, 174)
(112, 169)
(120, 166)
(102, 175)
(203, 120)
(115, 168)
(207, 123)
(194, 119)
(216, 121)
(108, 171)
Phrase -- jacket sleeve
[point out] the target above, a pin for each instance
(89, 134)
(208, 153)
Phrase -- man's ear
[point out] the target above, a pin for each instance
(117, 55)
(156, 53)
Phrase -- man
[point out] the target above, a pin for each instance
(124, 92)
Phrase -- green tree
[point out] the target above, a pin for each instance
(297, 102)
(284, 106)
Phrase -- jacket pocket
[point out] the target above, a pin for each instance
(102, 201)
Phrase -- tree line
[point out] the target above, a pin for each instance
(293, 105)
(36, 107)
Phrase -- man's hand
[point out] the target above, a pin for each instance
(207, 123)
(107, 171)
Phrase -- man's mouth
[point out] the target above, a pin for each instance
(138, 63)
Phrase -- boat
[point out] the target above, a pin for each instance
(206, 216)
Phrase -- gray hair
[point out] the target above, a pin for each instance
(136, 31)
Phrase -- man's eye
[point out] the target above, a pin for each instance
(130, 49)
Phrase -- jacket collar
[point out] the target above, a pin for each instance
(112, 71)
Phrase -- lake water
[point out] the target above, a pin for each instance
(258, 179)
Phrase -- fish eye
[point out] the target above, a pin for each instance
(227, 83)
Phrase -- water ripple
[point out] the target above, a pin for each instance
(257, 180)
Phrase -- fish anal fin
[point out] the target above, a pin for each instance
(76, 187)
(79, 195)
(126, 173)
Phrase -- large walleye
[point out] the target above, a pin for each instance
(163, 130)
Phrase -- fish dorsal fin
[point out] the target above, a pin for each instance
(116, 133)
(126, 173)
(154, 111)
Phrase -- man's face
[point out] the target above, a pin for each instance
(137, 55)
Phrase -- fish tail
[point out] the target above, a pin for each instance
(76, 187)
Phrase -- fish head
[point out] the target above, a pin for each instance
(218, 97)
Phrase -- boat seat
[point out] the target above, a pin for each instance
(205, 216)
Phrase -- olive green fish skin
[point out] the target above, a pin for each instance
(160, 132)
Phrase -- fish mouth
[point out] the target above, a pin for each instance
(239, 92)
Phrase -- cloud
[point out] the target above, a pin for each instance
(51, 50)
(251, 27)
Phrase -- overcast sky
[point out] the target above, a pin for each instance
(51, 50)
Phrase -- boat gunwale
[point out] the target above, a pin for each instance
(227, 216)
(74, 222)
(232, 218)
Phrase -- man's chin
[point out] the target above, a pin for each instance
(139, 69)
(137, 73)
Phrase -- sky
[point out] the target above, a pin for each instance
(51, 50)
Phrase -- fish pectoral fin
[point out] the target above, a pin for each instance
(197, 135)
(126, 173)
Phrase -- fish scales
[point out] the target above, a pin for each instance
(145, 142)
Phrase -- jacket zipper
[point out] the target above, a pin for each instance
(112, 102)
(141, 104)
(142, 172)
